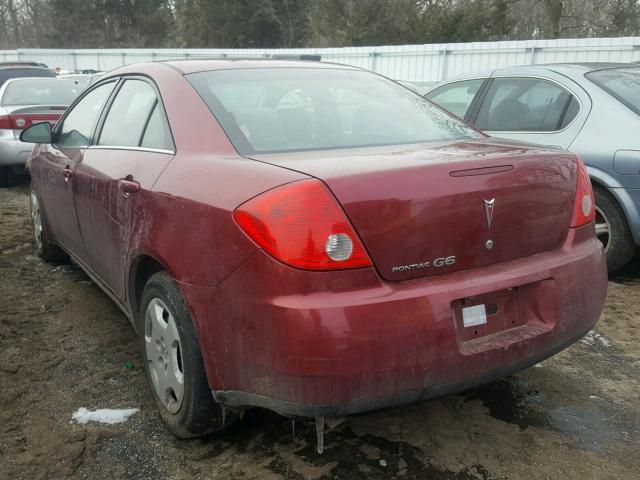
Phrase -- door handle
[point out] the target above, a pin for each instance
(127, 187)
(67, 173)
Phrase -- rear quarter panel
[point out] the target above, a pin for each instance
(187, 223)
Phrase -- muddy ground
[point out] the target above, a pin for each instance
(64, 345)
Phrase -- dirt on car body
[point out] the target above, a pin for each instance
(64, 345)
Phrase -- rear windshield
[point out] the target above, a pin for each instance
(271, 110)
(621, 83)
(41, 92)
(7, 73)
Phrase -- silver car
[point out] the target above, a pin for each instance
(592, 109)
(24, 101)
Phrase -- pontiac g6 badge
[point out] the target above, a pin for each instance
(438, 262)
(488, 210)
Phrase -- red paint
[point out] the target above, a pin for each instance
(330, 337)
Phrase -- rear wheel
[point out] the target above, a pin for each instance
(612, 230)
(173, 361)
(46, 250)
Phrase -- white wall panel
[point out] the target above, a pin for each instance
(423, 64)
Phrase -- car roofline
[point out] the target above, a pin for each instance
(251, 63)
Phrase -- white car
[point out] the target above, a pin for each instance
(23, 102)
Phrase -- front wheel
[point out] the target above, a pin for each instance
(612, 230)
(173, 361)
(46, 250)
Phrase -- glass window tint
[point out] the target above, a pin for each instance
(78, 126)
(526, 105)
(128, 115)
(47, 91)
(157, 134)
(291, 109)
(621, 83)
(456, 97)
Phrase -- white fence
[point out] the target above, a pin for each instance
(422, 64)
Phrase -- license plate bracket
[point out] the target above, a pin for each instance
(486, 314)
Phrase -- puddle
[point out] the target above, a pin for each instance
(591, 428)
(511, 400)
(346, 454)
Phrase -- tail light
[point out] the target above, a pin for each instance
(302, 225)
(20, 122)
(584, 210)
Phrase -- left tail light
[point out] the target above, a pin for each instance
(302, 225)
(584, 208)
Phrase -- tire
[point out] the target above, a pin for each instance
(172, 354)
(612, 229)
(46, 250)
(4, 176)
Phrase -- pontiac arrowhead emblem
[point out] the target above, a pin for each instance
(488, 210)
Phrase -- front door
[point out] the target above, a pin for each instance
(115, 179)
(59, 163)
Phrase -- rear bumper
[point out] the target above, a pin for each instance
(310, 343)
(238, 399)
(13, 152)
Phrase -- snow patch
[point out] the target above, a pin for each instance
(594, 338)
(103, 415)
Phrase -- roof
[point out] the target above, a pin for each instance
(197, 65)
(575, 67)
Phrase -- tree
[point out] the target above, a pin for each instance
(301, 23)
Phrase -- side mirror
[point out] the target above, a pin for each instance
(37, 133)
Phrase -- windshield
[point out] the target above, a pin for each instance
(269, 110)
(41, 92)
(621, 83)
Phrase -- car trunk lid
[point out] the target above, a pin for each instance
(428, 209)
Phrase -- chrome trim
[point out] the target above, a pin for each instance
(539, 77)
(135, 149)
(488, 211)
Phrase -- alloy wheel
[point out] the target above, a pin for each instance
(603, 228)
(36, 220)
(164, 355)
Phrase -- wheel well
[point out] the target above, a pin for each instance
(141, 271)
(596, 184)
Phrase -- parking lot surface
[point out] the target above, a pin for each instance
(64, 345)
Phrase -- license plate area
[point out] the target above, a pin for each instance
(500, 309)
(513, 315)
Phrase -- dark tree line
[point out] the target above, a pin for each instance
(304, 23)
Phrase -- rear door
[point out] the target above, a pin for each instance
(56, 166)
(533, 108)
(114, 180)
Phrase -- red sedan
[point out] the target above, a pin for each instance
(312, 238)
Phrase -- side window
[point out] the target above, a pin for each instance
(456, 97)
(526, 105)
(77, 127)
(157, 134)
(128, 115)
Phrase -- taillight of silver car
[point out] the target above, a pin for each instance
(584, 206)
